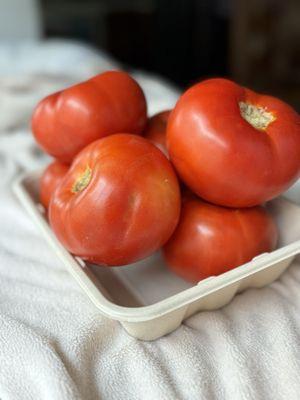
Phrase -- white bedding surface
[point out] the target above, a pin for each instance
(54, 344)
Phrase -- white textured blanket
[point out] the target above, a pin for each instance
(53, 342)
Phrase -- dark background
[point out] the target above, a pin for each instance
(255, 42)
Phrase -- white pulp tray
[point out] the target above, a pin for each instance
(147, 299)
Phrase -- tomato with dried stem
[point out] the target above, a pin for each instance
(232, 146)
(119, 202)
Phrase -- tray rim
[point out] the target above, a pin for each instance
(77, 268)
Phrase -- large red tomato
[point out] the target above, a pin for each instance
(118, 203)
(156, 130)
(232, 146)
(65, 122)
(50, 179)
(210, 240)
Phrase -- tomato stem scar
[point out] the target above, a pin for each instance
(82, 181)
(256, 116)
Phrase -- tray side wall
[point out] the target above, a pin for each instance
(158, 327)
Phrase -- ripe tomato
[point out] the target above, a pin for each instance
(118, 203)
(234, 147)
(156, 130)
(65, 122)
(51, 178)
(210, 240)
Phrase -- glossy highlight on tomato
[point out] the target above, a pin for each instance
(119, 202)
(67, 121)
(50, 179)
(156, 130)
(232, 146)
(210, 239)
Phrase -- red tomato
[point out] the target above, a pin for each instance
(156, 130)
(234, 147)
(210, 240)
(65, 122)
(118, 203)
(50, 179)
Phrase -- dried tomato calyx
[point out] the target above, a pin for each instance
(82, 181)
(256, 116)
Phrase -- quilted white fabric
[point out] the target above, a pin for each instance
(53, 342)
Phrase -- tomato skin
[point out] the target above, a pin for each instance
(156, 130)
(67, 121)
(221, 156)
(210, 240)
(50, 179)
(129, 208)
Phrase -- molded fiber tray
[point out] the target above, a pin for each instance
(147, 299)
